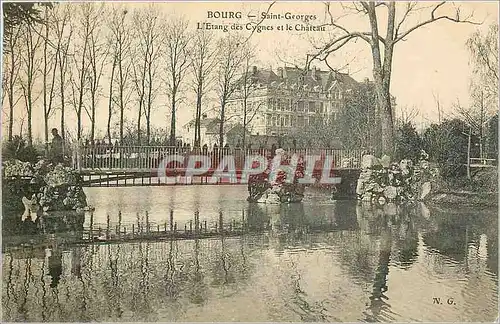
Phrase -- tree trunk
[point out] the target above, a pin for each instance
(62, 67)
(172, 120)
(221, 125)
(386, 120)
(92, 121)
(44, 85)
(30, 131)
(110, 101)
(11, 114)
(244, 121)
(197, 122)
(122, 113)
(11, 97)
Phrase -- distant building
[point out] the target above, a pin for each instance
(282, 101)
(209, 128)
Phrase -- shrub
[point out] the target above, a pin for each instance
(408, 143)
(18, 149)
(446, 145)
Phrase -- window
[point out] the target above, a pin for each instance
(289, 107)
(300, 106)
(282, 121)
(271, 103)
(300, 121)
(321, 107)
(312, 106)
(275, 120)
(268, 119)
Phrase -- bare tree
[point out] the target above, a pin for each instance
(146, 25)
(177, 62)
(230, 58)
(12, 64)
(476, 115)
(51, 55)
(31, 68)
(382, 46)
(87, 23)
(407, 115)
(64, 32)
(122, 40)
(97, 55)
(249, 87)
(203, 54)
(110, 97)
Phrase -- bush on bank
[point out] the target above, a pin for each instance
(50, 187)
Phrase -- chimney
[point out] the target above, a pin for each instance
(280, 72)
(254, 69)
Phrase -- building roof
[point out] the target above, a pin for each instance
(210, 124)
(292, 76)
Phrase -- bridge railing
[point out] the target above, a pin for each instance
(150, 157)
(483, 162)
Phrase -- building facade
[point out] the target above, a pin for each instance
(277, 103)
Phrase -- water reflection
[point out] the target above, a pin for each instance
(340, 261)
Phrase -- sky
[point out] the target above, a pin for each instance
(433, 62)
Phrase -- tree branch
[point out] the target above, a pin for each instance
(434, 18)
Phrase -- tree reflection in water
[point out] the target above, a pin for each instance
(129, 281)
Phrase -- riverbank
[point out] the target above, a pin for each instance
(480, 191)
(464, 198)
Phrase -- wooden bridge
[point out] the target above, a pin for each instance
(140, 165)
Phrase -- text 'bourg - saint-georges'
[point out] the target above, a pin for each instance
(259, 22)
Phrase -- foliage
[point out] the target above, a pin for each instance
(492, 137)
(446, 144)
(52, 187)
(484, 54)
(408, 143)
(355, 125)
(19, 13)
(18, 149)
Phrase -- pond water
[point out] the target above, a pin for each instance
(319, 260)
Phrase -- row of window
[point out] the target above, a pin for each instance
(279, 104)
(294, 121)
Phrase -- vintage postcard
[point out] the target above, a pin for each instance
(250, 161)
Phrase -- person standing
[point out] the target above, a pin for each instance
(56, 147)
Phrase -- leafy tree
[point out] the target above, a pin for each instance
(355, 124)
(18, 13)
(17, 149)
(492, 137)
(447, 145)
(408, 143)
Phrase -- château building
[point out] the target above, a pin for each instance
(290, 105)
(278, 102)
